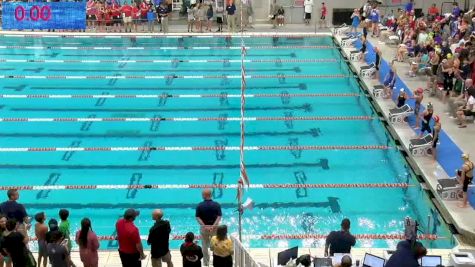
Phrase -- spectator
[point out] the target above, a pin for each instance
(375, 19)
(401, 99)
(365, 10)
(436, 131)
(58, 252)
(208, 215)
(88, 244)
(281, 16)
(355, 21)
(377, 61)
(346, 261)
(14, 210)
(465, 177)
(323, 16)
(135, 15)
(158, 238)
(65, 227)
(144, 9)
(128, 237)
(230, 11)
(53, 227)
(340, 241)
(40, 232)
(191, 252)
(390, 81)
(14, 244)
(3, 232)
(273, 13)
(116, 18)
(222, 248)
(308, 9)
(209, 17)
(409, 6)
(433, 11)
(191, 17)
(467, 110)
(126, 11)
(163, 14)
(91, 17)
(200, 16)
(151, 18)
(426, 118)
(456, 11)
(219, 18)
(407, 254)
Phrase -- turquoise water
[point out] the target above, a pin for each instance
(277, 211)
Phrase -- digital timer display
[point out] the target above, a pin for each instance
(41, 16)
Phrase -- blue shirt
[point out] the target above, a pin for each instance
(231, 9)
(409, 7)
(456, 12)
(356, 21)
(374, 16)
(208, 211)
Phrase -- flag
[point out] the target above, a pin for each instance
(239, 190)
(248, 204)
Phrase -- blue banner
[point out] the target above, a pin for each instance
(44, 16)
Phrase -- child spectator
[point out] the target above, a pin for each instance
(65, 227)
(191, 252)
(222, 248)
(219, 18)
(151, 17)
(191, 17)
(40, 232)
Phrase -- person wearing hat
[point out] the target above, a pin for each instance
(465, 177)
(128, 237)
(435, 138)
(426, 117)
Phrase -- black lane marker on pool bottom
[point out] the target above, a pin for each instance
(163, 99)
(134, 180)
(155, 125)
(295, 152)
(223, 99)
(68, 154)
(52, 180)
(220, 155)
(85, 126)
(222, 123)
(145, 154)
(301, 179)
(305, 107)
(101, 101)
(272, 205)
(218, 178)
(300, 86)
(322, 163)
(289, 122)
(314, 132)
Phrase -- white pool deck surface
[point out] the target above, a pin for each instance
(462, 218)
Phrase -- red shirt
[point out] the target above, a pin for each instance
(127, 10)
(433, 11)
(143, 9)
(115, 10)
(324, 11)
(128, 236)
(135, 13)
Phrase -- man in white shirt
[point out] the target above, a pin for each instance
(467, 110)
(308, 8)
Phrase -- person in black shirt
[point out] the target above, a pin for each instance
(191, 252)
(158, 238)
(377, 61)
(340, 241)
(208, 215)
(14, 244)
(407, 254)
(12, 209)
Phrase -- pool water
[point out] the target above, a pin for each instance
(25, 62)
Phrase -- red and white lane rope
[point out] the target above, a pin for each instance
(202, 186)
(325, 60)
(164, 47)
(193, 148)
(63, 96)
(159, 77)
(294, 236)
(301, 118)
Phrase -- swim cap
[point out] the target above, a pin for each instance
(401, 90)
(465, 156)
(449, 56)
(436, 118)
(420, 90)
(429, 106)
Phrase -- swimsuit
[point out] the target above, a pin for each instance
(401, 100)
(468, 180)
(425, 123)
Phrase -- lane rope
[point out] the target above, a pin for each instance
(92, 77)
(201, 186)
(321, 47)
(325, 60)
(163, 36)
(293, 236)
(62, 96)
(188, 119)
(194, 148)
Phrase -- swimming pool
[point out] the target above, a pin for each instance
(300, 93)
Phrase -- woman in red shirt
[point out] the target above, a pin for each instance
(126, 11)
(100, 12)
(135, 15)
(116, 19)
(108, 17)
(143, 13)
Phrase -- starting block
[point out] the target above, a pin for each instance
(450, 189)
(355, 55)
(378, 90)
(421, 146)
(400, 114)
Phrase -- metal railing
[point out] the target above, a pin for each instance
(242, 256)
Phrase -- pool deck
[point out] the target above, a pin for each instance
(462, 219)
(262, 255)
